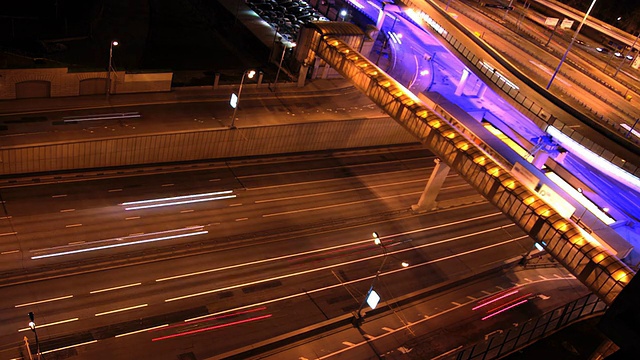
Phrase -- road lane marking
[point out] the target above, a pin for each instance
(59, 196)
(332, 266)
(455, 303)
(142, 330)
(114, 190)
(121, 309)
(470, 297)
(67, 210)
(9, 252)
(342, 204)
(165, 185)
(542, 277)
(9, 233)
(242, 219)
(311, 252)
(486, 292)
(44, 301)
(114, 288)
(214, 179)
(72, 225)
(68, 347)
(49, 324)
(347, 343)
(132, 218)
(76, 242)
(238, 204)
(5, 217)
(186, 211)
(387, 328)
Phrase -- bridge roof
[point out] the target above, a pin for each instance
(340, 28)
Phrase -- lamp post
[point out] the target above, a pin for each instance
(251, 74)
(571, 44)
(343, 14)
(284, 50)
(113, 43)
(624, 57)
(372, 297)
(32, 325)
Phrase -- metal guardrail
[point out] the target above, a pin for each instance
(543, 117)
(518, 337)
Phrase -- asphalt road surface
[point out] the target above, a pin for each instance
(283, 243)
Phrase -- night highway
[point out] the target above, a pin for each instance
(288, 244)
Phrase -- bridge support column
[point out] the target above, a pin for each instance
(539, 159)
(463, 82)
(482, 90)
(302, 75)
(428, 197)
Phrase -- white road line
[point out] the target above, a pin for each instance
(132, 218)
(72, 225)
(165, 185)
(44, 301)
(542, 277)
(238, 204)
(242, 219)
(9, 233)
(49, 324)
(114, 288)
(347, 343)
(67, 210)
(59, 196)
(142, 330)
(121, 310)
(9, 252)
(387, 328)
(114, 190)
(486, 292)
(186, 211)
(214, 179)
(470, 297)
(5, 217)
(76, 242)
(342, 204)
(455, 303)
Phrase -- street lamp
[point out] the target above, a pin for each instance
(284, 50)
(372, 297)
(343, 14)
(250, 74)
(571, 44)
(113, 43)
(32, 326)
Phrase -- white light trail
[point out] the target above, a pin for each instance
(176, 198)
(118, 245)
(142, 330)
(50, 324)
(114, 288)
(44, 301)
(122, 309)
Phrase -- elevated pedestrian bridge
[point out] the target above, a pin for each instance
(481, 166)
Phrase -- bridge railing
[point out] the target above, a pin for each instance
(532, 330)
(600, 271)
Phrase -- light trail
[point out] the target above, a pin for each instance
(330, 248)
(114, 288)
(180, 202)
(121, 310)
(494, 300)
(44, 301)
(327, 267)
(212, 327)
(70, 252)
(176, 198)
(68, 347)
(505, 309)
(142, 330)
(49, 324)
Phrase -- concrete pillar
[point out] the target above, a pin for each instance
(482, 90)
(260, 77)
(539, 159)
(325, 71)
(463, 82)
(428, 197)
(302, 75)
(216, 81)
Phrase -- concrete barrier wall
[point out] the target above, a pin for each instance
(201, 145)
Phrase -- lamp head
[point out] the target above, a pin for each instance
(251, 74)
(115, 43)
